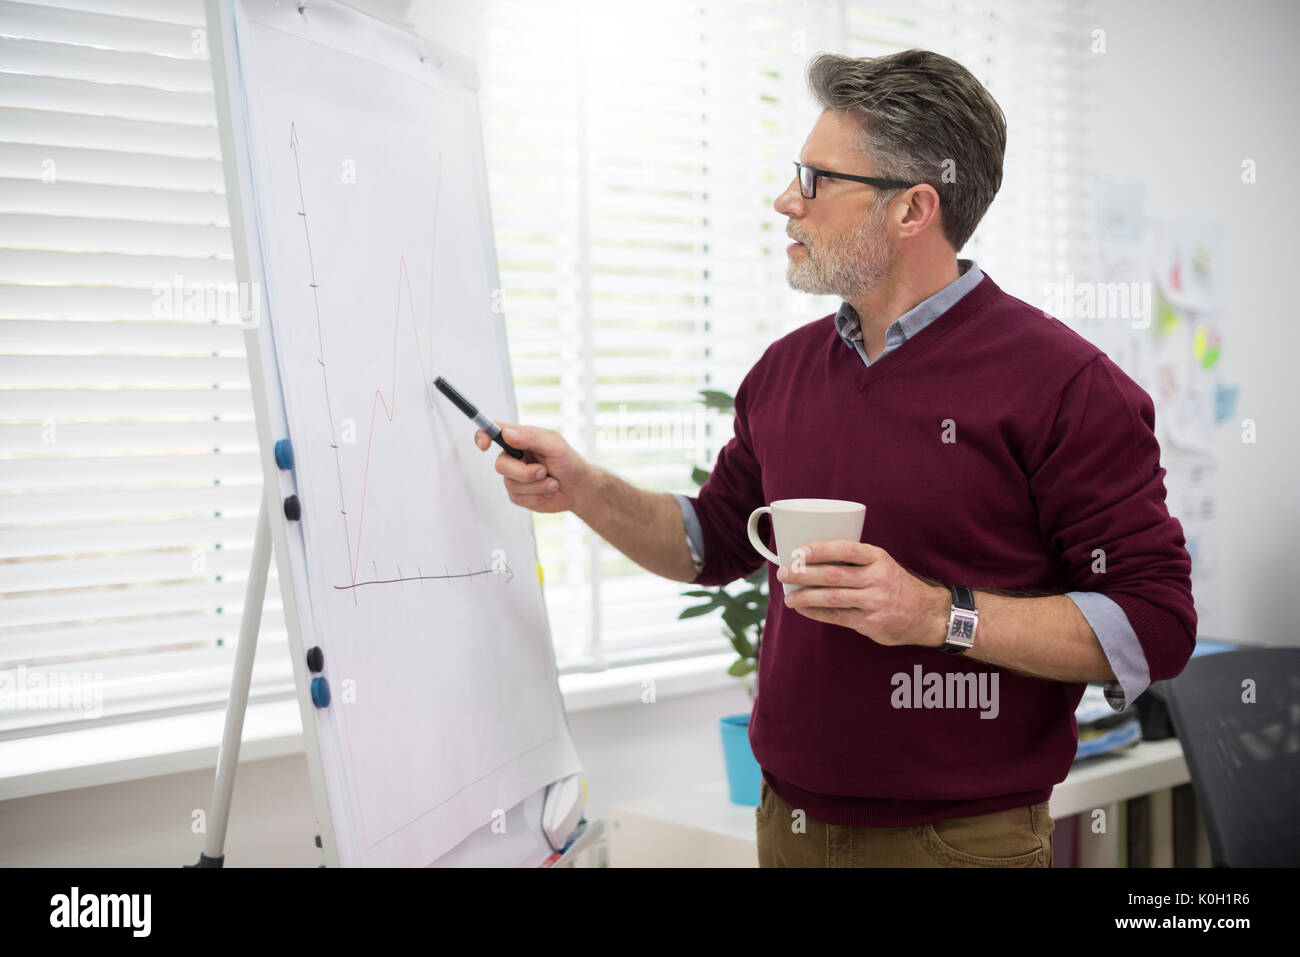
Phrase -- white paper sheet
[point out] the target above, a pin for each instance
(422, 575)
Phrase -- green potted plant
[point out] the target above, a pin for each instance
(743, 612)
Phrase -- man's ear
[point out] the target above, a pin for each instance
(921, 211)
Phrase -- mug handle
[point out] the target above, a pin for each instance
(754, 516)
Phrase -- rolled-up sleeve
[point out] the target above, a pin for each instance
(1120, 643)
(694, 536)
(1099, 485)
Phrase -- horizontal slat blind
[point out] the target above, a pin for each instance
(614, 223)
(634, 152)
(129, 473)
(1034, 57)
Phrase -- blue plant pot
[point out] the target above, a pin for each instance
(743, 774)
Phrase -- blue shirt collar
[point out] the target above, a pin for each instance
(920, 315)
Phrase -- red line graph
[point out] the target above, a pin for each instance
(390, 405)
(403, 279)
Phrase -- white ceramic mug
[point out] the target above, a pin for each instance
(798, 521)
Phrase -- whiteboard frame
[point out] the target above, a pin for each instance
(259, 345)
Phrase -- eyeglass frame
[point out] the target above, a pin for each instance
(869, 180)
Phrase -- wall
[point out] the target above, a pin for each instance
(1188, 89)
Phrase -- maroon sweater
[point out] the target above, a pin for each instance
(1055, 457)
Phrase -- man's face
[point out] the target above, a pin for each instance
(842, 246)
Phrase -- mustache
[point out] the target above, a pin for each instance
(790, 231)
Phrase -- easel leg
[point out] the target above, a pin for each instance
(228, 756)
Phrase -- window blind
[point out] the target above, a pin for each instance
(634, 151)
(130, 477)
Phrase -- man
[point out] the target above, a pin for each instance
(1000, 456)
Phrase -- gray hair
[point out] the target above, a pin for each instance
(922, 115)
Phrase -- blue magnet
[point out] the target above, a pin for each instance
(284, 454)
(320, 692)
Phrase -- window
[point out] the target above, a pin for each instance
(634, 151)
(130, 480)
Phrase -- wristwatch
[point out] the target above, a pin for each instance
(962, 620)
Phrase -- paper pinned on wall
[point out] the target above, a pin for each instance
(1180, 355)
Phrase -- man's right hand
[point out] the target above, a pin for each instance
(551, 474)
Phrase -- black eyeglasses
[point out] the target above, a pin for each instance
(808, 180)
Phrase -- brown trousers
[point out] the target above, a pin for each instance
(1017, 837)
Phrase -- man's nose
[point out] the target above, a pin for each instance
(791, 202)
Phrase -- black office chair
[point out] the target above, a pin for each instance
(1244, 758)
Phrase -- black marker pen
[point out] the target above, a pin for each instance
(481, 420)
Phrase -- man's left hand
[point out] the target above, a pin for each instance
(871, 594)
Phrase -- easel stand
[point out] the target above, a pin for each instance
(228, 756)
(223, 787)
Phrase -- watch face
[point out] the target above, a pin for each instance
(963, 628)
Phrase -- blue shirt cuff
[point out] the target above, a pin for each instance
(1120, 643)
(694, 534)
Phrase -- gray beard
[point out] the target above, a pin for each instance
(849, 269)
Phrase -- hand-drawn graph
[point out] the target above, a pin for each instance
(402, 293)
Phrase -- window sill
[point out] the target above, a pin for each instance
(190, 742)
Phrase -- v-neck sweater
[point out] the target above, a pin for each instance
(998, 450)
